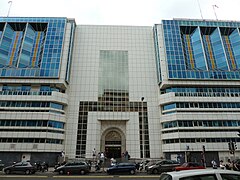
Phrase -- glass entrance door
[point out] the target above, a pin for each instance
(113, 152)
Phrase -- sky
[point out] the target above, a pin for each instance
(122, 12)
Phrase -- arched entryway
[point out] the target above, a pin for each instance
(113, 142)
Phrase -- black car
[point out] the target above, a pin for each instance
(122, 168)
(20, 167)
(74, 168)
(162, 166)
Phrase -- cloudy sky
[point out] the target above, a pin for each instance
(122, 12)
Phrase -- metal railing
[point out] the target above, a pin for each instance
(29, 93)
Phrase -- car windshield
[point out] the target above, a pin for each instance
(159, 162)
(184, 165)
(230, 176)
(69, 164)
(165, 177)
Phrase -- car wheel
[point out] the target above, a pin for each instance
(82, 172)
(61, 172)
(132, 172)
(155, 171)
(27, 171)
(8, 171)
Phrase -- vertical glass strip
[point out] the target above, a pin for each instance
(5, 45)
(190, 51)
(70, 50)
(157, 55)
(235, 45)
(229, 52)
(210, 51)
(198, 50)
(14, 48)
(218, 57)
(27, 47)
(36, 47)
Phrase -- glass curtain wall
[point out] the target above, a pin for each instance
(113, 80)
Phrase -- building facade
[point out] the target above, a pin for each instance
(198, 73)
(168, 91)
(113, 96)
(35, 58)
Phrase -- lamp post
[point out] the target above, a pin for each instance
(143, 131)
(203, 155)
(186, 153)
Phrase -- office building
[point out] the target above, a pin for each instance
(167, 91)
(198, 75)
(35, 58)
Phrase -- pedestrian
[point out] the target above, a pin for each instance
(214, 164)
(94, 154)
(113, 161)
(222, 165)
(126, 155)
(98, 165)
(229, 165)
(102, 160)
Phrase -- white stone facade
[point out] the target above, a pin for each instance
(138, 42)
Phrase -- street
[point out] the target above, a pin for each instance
(66, 177)
(92, 175)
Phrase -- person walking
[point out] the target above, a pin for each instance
(94, 154)
(229, 165)
(214, 164)
(222, 165)
(102, 160)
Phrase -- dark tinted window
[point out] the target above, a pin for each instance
(165, 177)
(81, 163)
(18, 164)
(200, 177)
(69, 164)
(230, 177)
(24, 163)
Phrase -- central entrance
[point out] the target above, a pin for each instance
(113, 143)
(113, 152)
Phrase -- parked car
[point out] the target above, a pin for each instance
(1, 165)
(20, 167)
(201, 174)
(162, 166)
(74, 168)
(122, 168)
(189, 166)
